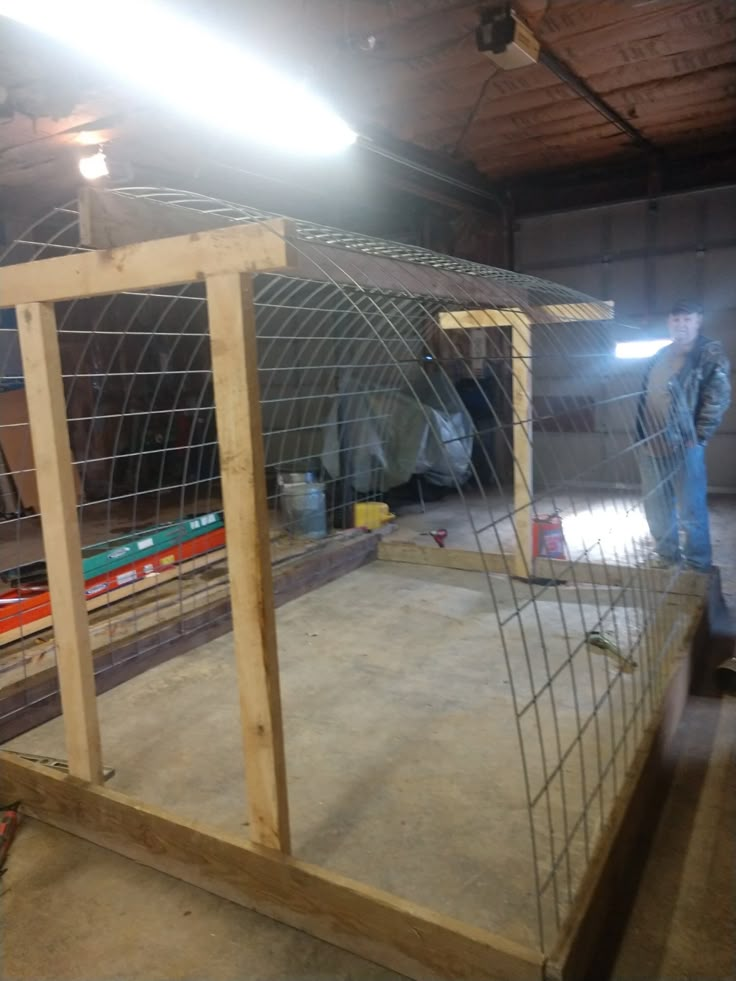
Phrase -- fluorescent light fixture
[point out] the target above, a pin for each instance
(640, 349)
(180, 62)
(93, 166)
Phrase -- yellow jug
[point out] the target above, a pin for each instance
(371, 515)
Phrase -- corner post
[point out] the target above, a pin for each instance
(521, 363)
(232, 327)
(39, 345)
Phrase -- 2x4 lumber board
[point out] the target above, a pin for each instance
(39, 347)
(138, 624)
(376, 925)
(146, 265)
(466, 560)
(232, 323)
(549, 313)
(109, 220)
(569, 313)
(116, 595)
(137, 612)
(592, 930)
(676, 582)
(521, 396)
(469, 319)
(684, 583)
(177, 624)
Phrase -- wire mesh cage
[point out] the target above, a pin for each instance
(394, 384)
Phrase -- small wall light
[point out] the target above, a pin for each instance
(94, 165)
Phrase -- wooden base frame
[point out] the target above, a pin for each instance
(680, 582)
(258, 874)
(376, 925)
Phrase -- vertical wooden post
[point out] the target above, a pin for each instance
(57, 494)
(240, 438)
(521, 353)
(478, 342)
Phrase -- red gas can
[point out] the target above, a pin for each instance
(548, 539)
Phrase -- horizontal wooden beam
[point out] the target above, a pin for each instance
(676, 582)
(682, 582)
(353, 268)
(466, 560)
(550, 313)
(374, 924)
(568, 313)
(468, 319)
(260, 246)
(109, 220)
(129, 612)
(24, 663)
(107, 600)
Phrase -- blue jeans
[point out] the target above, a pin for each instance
(675, 487)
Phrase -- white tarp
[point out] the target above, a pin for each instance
(389, 437)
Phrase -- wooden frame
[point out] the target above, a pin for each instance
(259, 246)
(377, 925)
(258, 874)
(520, 323)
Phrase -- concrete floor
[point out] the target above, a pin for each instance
(71, 910)
(400, 735)
(353, 779)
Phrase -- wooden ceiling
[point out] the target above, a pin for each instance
(409, 69)
(667, 66)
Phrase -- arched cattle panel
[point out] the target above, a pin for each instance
(388, 372)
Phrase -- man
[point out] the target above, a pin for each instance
(686, 391)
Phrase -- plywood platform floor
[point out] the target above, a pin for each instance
(404, 767)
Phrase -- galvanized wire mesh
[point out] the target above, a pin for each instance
(370, 392)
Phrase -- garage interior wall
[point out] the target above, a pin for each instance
(643, 255)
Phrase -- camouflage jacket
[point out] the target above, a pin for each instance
(701, 393)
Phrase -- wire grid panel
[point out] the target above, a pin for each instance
(140, 412)
(389, 393)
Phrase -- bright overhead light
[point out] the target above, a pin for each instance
(640, 349)
(195, 71)
(93, 166)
